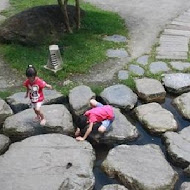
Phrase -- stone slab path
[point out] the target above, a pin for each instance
(144, 19)
(175, 39)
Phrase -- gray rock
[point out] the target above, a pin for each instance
(4, 143)
(143, 60)
(79, 99)
(5, 111)
(157, 67)
(180, 65)
(177, 146)
(187, 171)
(18, 103)
(183, 104)
(120, 96)
(177, 83)
(51, 161)
(136, 167)
(123, 75)
(136, 69)
(121, 131)
(23, 124)
(114, 187)
(117, 53)
(150, 90)
(49, 24)
(115, 38)
(185, 186)
(155, 118)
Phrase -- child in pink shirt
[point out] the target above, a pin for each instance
(34, 86)
(99, 113)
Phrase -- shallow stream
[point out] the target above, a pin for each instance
(144, 138)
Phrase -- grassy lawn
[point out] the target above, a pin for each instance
(79, 50)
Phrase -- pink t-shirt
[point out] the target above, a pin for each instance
(35, 89)
(99, 114)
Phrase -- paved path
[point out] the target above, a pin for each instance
(144, 19)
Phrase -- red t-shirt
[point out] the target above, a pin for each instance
(99, 114)
(35, 89)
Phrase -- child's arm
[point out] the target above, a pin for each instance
(88, 131)
(27, 92)
(77, 132)
(48, 86)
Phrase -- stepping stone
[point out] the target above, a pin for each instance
(136, 69)
(115, 38)
(150, 90)
(177, 147)
(123, 75)
(79, 99)
(48, 162)
(114, 187)
(119, 96)
(136, 166)
(117, 53)
(18, 103)
(185, 186)
(177, 32)
(178, 65)
(180, 23)
(23, 124)
(121, 131)
(5, 111)
(183, 104)
(178, 27)
(143, 60)
(4, 143)
(156, 119)
(157, 67)
(177, 83)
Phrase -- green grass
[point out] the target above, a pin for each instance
(79, 50)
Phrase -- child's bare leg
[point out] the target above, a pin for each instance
(41, 116)
(101, 129)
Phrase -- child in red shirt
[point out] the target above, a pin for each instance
(99, 113)
(34, 86)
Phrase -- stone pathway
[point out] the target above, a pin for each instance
(175, 39)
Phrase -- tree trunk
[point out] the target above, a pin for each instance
(65, 13)
(77, 13)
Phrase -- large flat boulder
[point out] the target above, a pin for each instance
(23, 124)
(156, 119)
(119, 96)
(18, 103)
(177, 146)
(48, 162)
(140, 167)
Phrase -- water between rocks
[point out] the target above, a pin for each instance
(145, 138)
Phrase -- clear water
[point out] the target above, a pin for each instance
(145, 138)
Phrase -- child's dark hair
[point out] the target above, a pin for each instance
(31, 71)
(82, 121)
